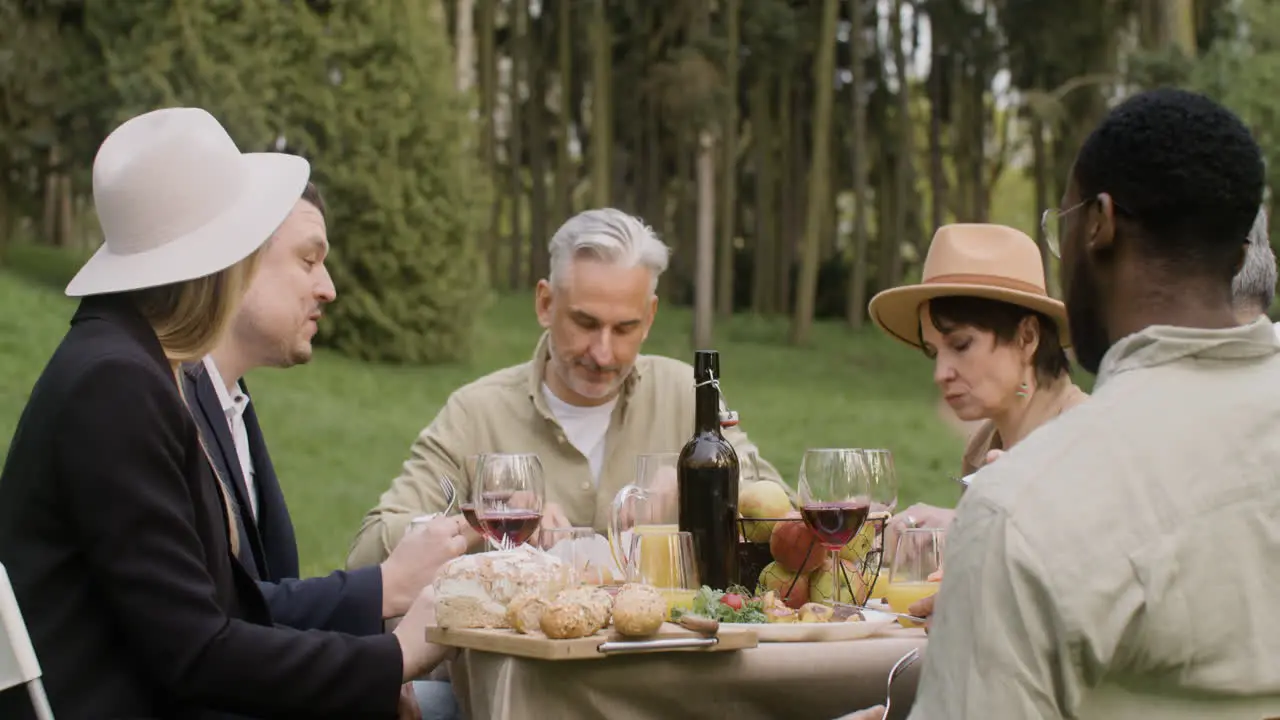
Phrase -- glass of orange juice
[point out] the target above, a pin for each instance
(917, 556)
(665, 561)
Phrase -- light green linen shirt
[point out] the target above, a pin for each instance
(1123, 561)
(506, 411)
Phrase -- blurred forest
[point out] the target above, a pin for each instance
(796, 154)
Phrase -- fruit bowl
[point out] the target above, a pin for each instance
(783, 555)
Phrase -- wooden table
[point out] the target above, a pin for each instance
(800, 681)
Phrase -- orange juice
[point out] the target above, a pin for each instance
(678, 598)
(659, 555)
(901, 595)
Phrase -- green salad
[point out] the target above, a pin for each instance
(735, 605)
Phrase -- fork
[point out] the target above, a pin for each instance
(899, 667)
(450, 492)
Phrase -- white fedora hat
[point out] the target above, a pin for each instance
(177, 200)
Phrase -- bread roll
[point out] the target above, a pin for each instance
(473, 591)
(597, 603)
(565, 620)
(524, 614)
(638, 610)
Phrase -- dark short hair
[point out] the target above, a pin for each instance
(311, 194)
(1185, 169)
(1002, 319)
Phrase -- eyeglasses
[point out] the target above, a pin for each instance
(1049, 222)
(1052, 218)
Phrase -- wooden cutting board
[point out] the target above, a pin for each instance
(601, 645)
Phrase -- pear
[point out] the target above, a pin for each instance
(759, 500)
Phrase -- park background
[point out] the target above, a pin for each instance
(796, 155)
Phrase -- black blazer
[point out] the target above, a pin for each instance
(349, 602)
(114, 534)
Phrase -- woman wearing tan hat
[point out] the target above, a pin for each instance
(113, 526)
(997, 339)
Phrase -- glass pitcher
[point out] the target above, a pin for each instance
(648, 505)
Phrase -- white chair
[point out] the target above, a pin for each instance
(18, 664)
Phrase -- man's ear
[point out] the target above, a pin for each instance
(542, 303)
(1100, 230)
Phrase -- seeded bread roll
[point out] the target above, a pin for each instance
(597, 603)
(565, 620)
(638, 610)
(524, 614)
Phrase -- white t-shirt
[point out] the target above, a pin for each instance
(584, 427)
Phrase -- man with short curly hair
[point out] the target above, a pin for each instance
(1081, 566)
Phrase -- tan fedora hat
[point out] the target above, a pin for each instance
(971, 260)
(177, 200)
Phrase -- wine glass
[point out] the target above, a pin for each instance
(883, 479)
(835, 497)
(467, 505)
(884, 501)
(508, 494)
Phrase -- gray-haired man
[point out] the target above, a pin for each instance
(1254, 287)
(587, 402)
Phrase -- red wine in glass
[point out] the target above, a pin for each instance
(469, 512)
(510, 527)
(835, 523)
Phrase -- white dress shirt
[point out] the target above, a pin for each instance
(233, 407)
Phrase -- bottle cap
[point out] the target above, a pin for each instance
(728, 418)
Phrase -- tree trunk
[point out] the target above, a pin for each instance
(905, 188)
(763, 145)
(819, 172)
(856, 298)
(729, 157)
(601, 108)
(787, 214)
(489, 131)
(465, 38)
(564, 162)
(539, 233)
(937, 175)
(515, 140)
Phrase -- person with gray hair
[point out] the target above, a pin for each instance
(587, 402)
(1254, 287)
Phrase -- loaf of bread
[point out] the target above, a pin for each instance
(473, 591)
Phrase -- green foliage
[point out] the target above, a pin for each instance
(1241, 70)
(366, 91)
(44, 264)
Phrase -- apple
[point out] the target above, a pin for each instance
(762, 499)
(822, 588)
(792, 588)
(795, 547)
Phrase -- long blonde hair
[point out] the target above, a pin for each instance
(189, 319)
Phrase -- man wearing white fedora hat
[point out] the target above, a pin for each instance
(118, 538)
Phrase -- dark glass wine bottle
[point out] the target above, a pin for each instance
(707, 472)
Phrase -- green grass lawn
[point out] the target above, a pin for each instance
(339, 429)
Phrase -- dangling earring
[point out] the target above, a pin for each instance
(1023, 390)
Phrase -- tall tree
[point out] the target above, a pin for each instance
(729, 164)
(819, 174)
(855, 307)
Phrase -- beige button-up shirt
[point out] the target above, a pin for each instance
(507, 412)
(1123, 561)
